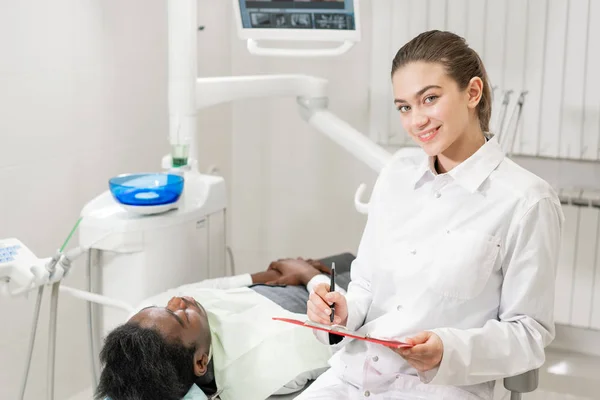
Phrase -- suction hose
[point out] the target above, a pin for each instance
(53, 320)
(52, 339)
(88, 275)
(36, 317)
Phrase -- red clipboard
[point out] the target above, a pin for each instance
(342, 331)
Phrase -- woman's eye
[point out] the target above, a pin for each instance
(403, 109)
(429, 99)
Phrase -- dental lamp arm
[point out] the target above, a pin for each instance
(312, 99)
(212, 91)
(311, 95)
(342, 133)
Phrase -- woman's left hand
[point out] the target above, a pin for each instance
(426, 353)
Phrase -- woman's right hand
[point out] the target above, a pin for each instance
(318, 309)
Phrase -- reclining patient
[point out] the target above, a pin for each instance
(217, 337)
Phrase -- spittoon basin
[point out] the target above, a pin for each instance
(150, 189)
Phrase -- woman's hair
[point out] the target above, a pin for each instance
(461, 63)
(140, 364)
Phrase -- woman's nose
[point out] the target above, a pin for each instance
(419, 120)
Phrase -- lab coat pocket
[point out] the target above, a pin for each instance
(463, 264)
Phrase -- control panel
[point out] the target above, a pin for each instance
(16, 261)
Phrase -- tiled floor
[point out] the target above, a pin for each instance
(568, 376)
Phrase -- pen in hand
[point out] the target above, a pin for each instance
(332, 289)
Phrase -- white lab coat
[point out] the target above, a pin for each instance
(253, 355)
(469, 255)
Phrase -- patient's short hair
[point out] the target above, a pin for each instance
(140, 364)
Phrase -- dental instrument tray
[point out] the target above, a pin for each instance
(147, 193)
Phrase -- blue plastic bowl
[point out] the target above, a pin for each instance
(146, 189)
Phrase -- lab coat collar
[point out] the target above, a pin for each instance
(472, 172)
(426, 168)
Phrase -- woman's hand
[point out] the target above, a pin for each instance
(426, 353)
(318, 309)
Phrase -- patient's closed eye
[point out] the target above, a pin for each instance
(176, 317)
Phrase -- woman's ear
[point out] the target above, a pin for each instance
(200, 363)
(474, 91)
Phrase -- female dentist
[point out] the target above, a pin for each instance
(459, 252)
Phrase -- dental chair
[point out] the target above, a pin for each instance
(523, 383)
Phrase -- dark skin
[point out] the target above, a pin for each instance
(182, 319)
(290, 271)
(296, 272)
(185, 319)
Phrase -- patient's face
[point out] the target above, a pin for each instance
(183, 318)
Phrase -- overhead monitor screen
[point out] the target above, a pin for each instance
(335, 15)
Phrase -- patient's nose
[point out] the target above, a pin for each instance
(176, 303)
(188, 299)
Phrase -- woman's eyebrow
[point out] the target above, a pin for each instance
(420, 92)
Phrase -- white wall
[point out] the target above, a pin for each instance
(292, 187)
(82, 87)
(546, 47)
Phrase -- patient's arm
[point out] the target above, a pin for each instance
(289, 271)
(297, 271)
(238, 281)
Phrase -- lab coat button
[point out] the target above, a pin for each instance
(367, 393)
(375, 358)
(437, 195)
(399, 307)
